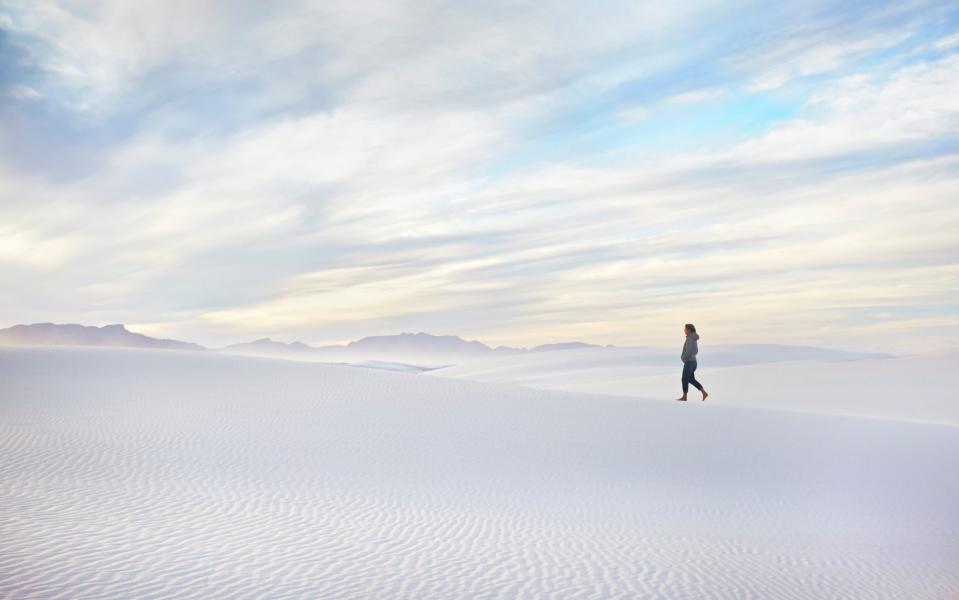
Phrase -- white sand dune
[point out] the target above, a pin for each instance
(913, 388)
(136, 474)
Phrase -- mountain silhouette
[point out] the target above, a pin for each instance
(52, 334)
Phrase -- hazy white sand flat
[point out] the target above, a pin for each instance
(137, 474)
(912, 388)
(614, 370)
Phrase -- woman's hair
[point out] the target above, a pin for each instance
(690, 327)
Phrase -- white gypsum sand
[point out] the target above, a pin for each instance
(139, 474)
(912, 388)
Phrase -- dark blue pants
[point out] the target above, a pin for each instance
(689, 367)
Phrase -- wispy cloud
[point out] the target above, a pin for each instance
(693, 96)
(948, 42)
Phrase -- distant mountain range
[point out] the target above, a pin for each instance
(414, 352)
(409, 348)
(50, 334)
(415, 348)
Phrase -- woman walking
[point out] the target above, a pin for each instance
(690, 349)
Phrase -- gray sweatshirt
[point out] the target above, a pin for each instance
(690, 348)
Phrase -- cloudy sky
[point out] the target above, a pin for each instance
(514, 172)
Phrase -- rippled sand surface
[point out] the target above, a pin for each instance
(137, 474)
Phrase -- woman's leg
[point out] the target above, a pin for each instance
(686, 376)
(692, 376)
(692, 380)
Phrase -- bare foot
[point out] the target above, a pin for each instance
(705, 395)
(683, 399)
